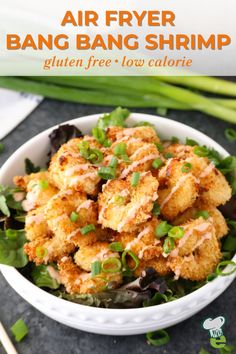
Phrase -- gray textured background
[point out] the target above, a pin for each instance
(49, 337)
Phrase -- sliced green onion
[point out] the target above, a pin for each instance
(157, 163)
(168, 245)
(174, 140)
(107, 143)
(43, 184)
(41, 252)
(186, 168)
(201, 151)
(135, 179)
(113, 163)
(96, 156)
(119, 199)
(144, 124)
(230, 134)
(1, 147)
(219, 271)
(202, 213)
(107, 172)
(158, 338)
(159, 147)
(176, 232)
(133, 256)
(99, 134)
(191, 142)
(96, 268)
(111, 265)
(116, 246)
(88, 228)
(74, 216)
(120, 149)
(20, 330)
(162, 229)
(168, 155)
(156, 209)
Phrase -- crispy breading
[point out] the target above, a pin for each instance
(35, 224)
(145, 133)
(68, 169)
(77, 281)
(160, 264)
(99, 251)
(123, 207)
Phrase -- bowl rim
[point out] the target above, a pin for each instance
(13, 272)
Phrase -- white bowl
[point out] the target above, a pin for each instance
(98, 320)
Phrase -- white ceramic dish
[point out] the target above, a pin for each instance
(98, 320)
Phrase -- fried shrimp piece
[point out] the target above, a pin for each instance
(58, 215)
(196, 254)
(213, 186)
(68, 169)
(123, 207)
(139, 157)
(219, 222)
(160, 264)
(39, 189)
(46, 250)
(145, 134)
(35, 224)
(178, 190)
(77, 281)
(99, 251)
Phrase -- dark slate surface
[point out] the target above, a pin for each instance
(49, 337)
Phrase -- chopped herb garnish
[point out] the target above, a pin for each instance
(162, 229)
(116, 246)
(134, 258)
(88, 228)
(160, 147)
(119, 199)
(201, 151)
(135, 179)
(93, 155)
(157, 163)
(99, 134)
(174, 140)
(156, 209)
(107, 173)
(187, 167)
(113, 163)
(168, 155)
(176, 232)
(111, 265)
(74, 216)
(144, 124)
(20, 330)
(120, 149)
(43, 184)
(191, 142)
(202, 213)
(115, 118)
(41, 252)
(158, 338)
(168, 245)
(220, 271)
(96, 268)
(230, 134)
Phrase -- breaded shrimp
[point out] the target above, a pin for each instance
(58, 215)
(219, 222)
(46, 250)
(68, 169)
(123, 207)
(197, 253)
(178, 190)
(77, 281)
(145, 134)
(99, 251)
(140, 157)
(35, 224)
(160, 264)
(39, 189)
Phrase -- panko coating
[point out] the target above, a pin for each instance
(123, 207)
(219, 222)
(36, 225)
(178, 190)
(58, 215)
(197, 253)
(145, 134)
(39, 189)
(99, 251)
(160, 264)
(68, 169)
(77, 281)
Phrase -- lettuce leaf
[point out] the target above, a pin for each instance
(42, 278)
(11, 248)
